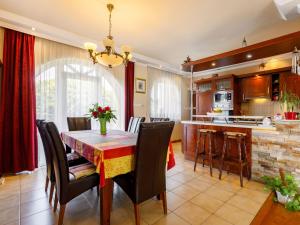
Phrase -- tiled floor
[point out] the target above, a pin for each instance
(193, 198)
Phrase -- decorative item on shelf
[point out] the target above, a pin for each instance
(140, 85)
(103, 115)
(291, 101)
(296, 61)
(109, 57)
(244, 42)
(188, 59)
(286, 188)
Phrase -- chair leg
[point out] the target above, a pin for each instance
(137, 214)
(55, 202)
(163, 197)
(240, 161)
(196, 152)
(222, 158)
(210, 153)
(203, 149)
(61, 214)
(51, 192)
(46, 184)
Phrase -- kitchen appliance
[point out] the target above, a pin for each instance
(223, 100)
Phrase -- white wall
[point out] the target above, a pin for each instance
(141, 104)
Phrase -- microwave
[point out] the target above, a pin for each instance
(223, 100)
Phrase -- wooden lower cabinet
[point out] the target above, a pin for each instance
(189, 144)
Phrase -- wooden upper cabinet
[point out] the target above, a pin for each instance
(225, 84)
(256, 87)
(204, 102)
(291, 82)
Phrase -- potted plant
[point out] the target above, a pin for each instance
(291, 101)
(103, 115)
(286, 188)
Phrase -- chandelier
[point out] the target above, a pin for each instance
(109, 57)
(296, 61)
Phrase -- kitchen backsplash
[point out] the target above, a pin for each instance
(260, 107)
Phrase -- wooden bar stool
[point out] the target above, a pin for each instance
(201, 137)
(242, 159)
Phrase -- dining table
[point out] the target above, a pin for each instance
(112, 154)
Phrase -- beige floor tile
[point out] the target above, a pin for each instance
(228, 186)
(208, 179)
(218, 193)
(9, 202)
(182, 178)
(33, 195)
(171, 219)
(152, 211)
(215, 220)
(247, 204)
(253, 185)
(33, 207)
(192, 213)
(186, 192)
(174, 201)
(206, 202)
(172, 184)
(258, 196)
(234, 215)
(198, 185)
(8, 215)
(46, 217)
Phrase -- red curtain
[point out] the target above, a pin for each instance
(129, 92)
(18, 135)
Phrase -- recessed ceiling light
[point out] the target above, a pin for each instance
(33, 28)
(249, 56)
(213, 64)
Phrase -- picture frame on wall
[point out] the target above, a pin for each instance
(140, 85)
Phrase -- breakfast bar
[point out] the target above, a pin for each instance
(268, 147)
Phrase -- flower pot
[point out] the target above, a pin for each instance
(282, 199)
(290, 115)
(103, 130)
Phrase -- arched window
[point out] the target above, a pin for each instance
(165, 96)
(68, 87)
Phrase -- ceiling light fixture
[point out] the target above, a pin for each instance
(33, 28)
(249, 56)
(213, 64)
(296, 61)
(109, 57)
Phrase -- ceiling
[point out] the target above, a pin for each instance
(165, 30)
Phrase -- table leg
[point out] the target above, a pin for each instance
(106, 202)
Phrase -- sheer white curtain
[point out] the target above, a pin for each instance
(165, 94)
(68, 83)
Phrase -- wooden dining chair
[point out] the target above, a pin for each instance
(73, 159)
(157, 119)
(70, 182)
(134, 124)
(78, 123)
(149, 177)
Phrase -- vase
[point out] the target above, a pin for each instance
(290, 115)
(282, 199)
(103, 126)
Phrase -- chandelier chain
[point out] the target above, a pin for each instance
(110, 25)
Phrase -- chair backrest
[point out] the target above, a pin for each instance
(152, 119)
(79, 123)
(150, 162)
(46, 146)
(134, 124)
(60, 162)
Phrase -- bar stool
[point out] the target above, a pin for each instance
(201, 136)
(242, 159)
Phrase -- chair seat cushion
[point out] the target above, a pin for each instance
(81, 170)
(73, 156)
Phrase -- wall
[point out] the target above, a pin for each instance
(141, 101)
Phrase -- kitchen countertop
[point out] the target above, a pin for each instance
(251, 126)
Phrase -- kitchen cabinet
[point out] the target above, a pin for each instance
(224, 84)
(256, 87)
(204, 102)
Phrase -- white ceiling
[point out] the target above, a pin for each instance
(166, 30)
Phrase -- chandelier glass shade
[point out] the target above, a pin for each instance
(109, 57)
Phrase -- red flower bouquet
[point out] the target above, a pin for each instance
(103, 115)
